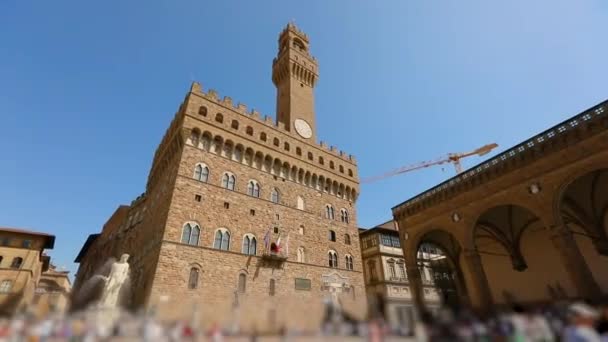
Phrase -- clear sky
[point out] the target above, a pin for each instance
(87, 88)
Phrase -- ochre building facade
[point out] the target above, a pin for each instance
(22, 262)
(527, 226)
(244, 220)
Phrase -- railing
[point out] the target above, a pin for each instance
(592, 114)
(400, 279)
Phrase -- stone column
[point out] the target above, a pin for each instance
(574, 262)
(480, 288)
(415, 281)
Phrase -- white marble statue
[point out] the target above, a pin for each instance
(114, 282)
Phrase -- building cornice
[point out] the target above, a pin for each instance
(567, 133)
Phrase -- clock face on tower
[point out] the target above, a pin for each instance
(303, 128)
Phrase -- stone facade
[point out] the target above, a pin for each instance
(52, 293)
(223, 170)
(22, 261)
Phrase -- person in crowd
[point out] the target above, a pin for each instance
(581, 327)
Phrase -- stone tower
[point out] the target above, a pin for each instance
(295, 73)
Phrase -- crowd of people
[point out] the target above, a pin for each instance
(568, 322)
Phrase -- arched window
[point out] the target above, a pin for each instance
(274, 195)
(242, 286)
(297, 43)
(341, 169)
(202, 110)
(190, 234)
(234, 124)
(300, 203)
(349, 262)
(347, 239)
(298, 151)
(1, 258)
(222, 239)
(263, 136)
(249, 244)
(201, 173)
(329, 212)
(271, 287)
(350, 172)
(17, 262)
(301, 254)
(344, 215)
(331, 164)
(286, 146)
(193, 278)
(228, 181)
(300, 230)
(333, 259)
(321, 160)
(310, 157)
(332, 235)
(275, 141)
(194, 137)
(219, 118)
(253, 188)
(6, 286)
(249, 130)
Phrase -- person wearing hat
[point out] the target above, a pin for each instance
(581, 327)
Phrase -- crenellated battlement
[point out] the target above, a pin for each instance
(268, 121)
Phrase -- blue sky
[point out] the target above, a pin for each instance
(87, 89)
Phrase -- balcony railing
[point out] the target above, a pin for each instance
(400, 279)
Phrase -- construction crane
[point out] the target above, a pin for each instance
(453, 158)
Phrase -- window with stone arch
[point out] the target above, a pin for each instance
(346, 239)
(321, 161)
(222, 239)
(286, 146)
(253, 188)
(341, 169)
(201, 172)
(219, 118)
(202, 110)
(350, 172)
(193, 278)
(275, 141)
(329, 212)
(332, 235)
(228, 181)
(234, 124)
(249, 130)
(17, 262)
(263, 136)
(344, 215)
(275, 196)
(191, 233)
(310, 157)
(299, 203)
(249, 244)
(301, 254)
(332, 258)
(349, 262)
(242, 283)
(299, 151)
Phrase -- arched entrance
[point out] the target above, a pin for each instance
(583, 208)
(442, 283)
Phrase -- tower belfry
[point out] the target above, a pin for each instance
(295, 73)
